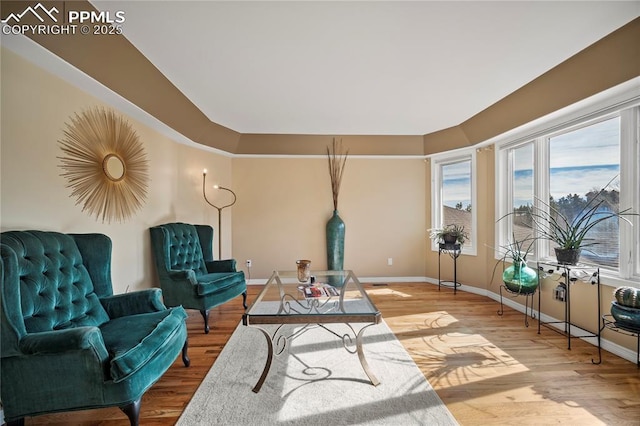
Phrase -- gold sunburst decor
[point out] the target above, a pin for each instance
(105, 164)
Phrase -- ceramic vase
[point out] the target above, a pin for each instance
(626, 316)
(335, 242)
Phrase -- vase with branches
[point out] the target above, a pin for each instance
(335, 230)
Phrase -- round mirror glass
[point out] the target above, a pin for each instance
(113, 167)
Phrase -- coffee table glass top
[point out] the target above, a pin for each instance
(334, 296)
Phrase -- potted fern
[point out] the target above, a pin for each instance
(449, 234)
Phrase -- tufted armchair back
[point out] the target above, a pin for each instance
(66, 341)
(185, 250)
(56, 290)
(187, 273)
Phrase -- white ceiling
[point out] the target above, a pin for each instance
(403, 68)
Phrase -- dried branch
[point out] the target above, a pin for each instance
(337, 159)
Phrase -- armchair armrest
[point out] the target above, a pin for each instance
(183, 275)
(225, 265)
(69, 340)
(137, 302)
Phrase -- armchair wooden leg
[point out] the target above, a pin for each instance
(205, 316)
(133, 412)
(185, 357)
(244, 299)
(18, 422)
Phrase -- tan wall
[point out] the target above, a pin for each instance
(472, 270)
(35, 107)
(130, 74)
(284, 204)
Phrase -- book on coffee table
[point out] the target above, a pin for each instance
(319, 290)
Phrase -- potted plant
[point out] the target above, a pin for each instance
(518, 277)
(450, 234)
(570, 234)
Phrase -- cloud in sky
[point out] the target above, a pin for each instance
(597, 144)
(456, 184)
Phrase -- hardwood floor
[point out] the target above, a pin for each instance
(488, 370)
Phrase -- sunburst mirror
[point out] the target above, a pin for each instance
(105, 164)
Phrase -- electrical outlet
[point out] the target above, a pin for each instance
(390, 261)
(559, 292)
(248, 262)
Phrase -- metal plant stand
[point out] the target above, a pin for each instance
(454, 251)
(528, 303)
(610, 323)
(570, 274)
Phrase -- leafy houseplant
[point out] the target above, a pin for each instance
(450, 234)
(569, 233)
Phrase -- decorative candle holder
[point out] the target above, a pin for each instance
(304, 270)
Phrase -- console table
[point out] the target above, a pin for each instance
(571, 274)
(453, 250)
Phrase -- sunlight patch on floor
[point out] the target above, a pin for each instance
(453, 356)
(528, 410)
(458, 359)
(386, 291)
(422, 322)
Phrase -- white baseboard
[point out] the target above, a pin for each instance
(605, 344)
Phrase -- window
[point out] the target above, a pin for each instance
(564, 169)
(584, 167)
(522, 193)
(453, 201)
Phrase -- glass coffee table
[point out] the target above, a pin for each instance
(329, 297)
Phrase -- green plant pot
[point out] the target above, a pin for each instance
(626, 316)
(519, 278)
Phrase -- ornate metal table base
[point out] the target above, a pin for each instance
(277, 343)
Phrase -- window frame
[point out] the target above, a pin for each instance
(629, 113)
(438, 161)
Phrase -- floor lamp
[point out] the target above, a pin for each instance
(204, 193)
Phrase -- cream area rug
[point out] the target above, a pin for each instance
(315, 381)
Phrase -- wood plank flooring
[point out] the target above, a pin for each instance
(488, 369)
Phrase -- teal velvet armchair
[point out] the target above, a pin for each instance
(189, 277)
(68, 343)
